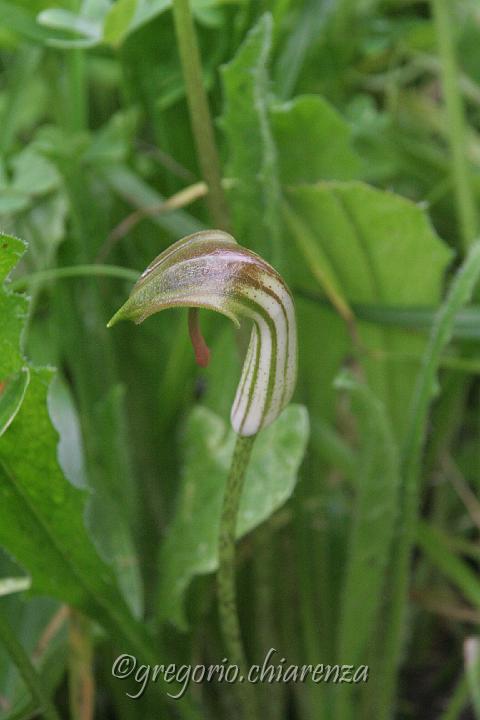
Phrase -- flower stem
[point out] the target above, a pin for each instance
(26, 669)
(466, 210)
(200, 118)
(227, 602)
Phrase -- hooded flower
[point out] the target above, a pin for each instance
(210, 270)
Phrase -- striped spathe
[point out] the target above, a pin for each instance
(211, 270)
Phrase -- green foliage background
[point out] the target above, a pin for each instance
(349, 144)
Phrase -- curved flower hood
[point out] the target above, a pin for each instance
(210, 270)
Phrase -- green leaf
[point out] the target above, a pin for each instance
(40, 509)
(313, 141)
(436, 547)
(425, 387)
(252, 158)
(381, 249)
(42, 513)
(466, 325)
(190, 547)
(118, 20)
(373, 522)
(13, 310)
(12, 392)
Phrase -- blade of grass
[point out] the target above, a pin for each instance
(466, 322)
(372, 530)
(60, 273)
(466, 208)
(456, 570)
(460, 294)
(318, 263)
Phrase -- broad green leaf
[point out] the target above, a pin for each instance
(190, 547)
(373, 521)
(40, 509)
(383, 250)
(42, 513)
(13, 310)
(12, 392)
(312, 259)
(313, 141)
(252, 157)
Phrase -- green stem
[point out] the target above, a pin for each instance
(466, 210)
(227, 601)
(81, 679)
(200, 118)
(43, 276)
(26, 670)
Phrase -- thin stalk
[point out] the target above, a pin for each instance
(200, 118)
(43, 276)
(81, 677)
(466, 210)
(27, 671)
(227, 600)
